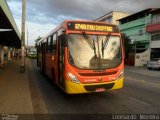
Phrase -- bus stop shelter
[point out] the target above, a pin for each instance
(9, 34)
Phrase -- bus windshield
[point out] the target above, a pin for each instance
(97, 52)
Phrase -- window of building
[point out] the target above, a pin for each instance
(155, 37)
(156, 19)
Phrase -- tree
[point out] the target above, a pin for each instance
(37, 40)
(39, 37)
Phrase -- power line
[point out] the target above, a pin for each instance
(124, 5)
(132, 4)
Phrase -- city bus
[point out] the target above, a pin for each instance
(32, 53)
(83, 56)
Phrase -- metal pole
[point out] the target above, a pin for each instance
(22, 67)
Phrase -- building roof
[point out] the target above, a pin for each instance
(8, 38)
(103, 16)
(108, 14)
(155, 11)
(143, 12)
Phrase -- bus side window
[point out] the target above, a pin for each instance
(54, 43)
(45, 44)
(40, 47)
(51, 44)
(48, 44)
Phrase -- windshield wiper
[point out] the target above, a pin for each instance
(105, 43)
(90, 42)
(94, 47)
(102, 49)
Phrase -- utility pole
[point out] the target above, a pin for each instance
(22, 67)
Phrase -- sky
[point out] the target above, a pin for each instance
(44, 15)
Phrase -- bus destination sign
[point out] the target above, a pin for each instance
(92, 27)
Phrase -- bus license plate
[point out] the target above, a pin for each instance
(100, 89)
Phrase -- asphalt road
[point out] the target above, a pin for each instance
(140, 94)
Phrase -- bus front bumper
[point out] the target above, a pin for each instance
(74, 88)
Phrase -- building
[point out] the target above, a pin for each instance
(9, 34)
(134, 26)
(11, 37)
(154, 29)
(112, 17)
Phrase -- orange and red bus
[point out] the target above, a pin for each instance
(83, 56)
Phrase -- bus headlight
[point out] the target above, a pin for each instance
(73, 78)
(120, 74)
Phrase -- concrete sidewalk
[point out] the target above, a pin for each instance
(15, 96)
(143, 71)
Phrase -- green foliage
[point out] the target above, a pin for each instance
(38, 39)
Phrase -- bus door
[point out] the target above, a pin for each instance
(61, 45)
(43, 56)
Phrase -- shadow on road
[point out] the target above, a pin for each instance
(129, 99)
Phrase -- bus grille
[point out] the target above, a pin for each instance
(98, 74)
(94, 87)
